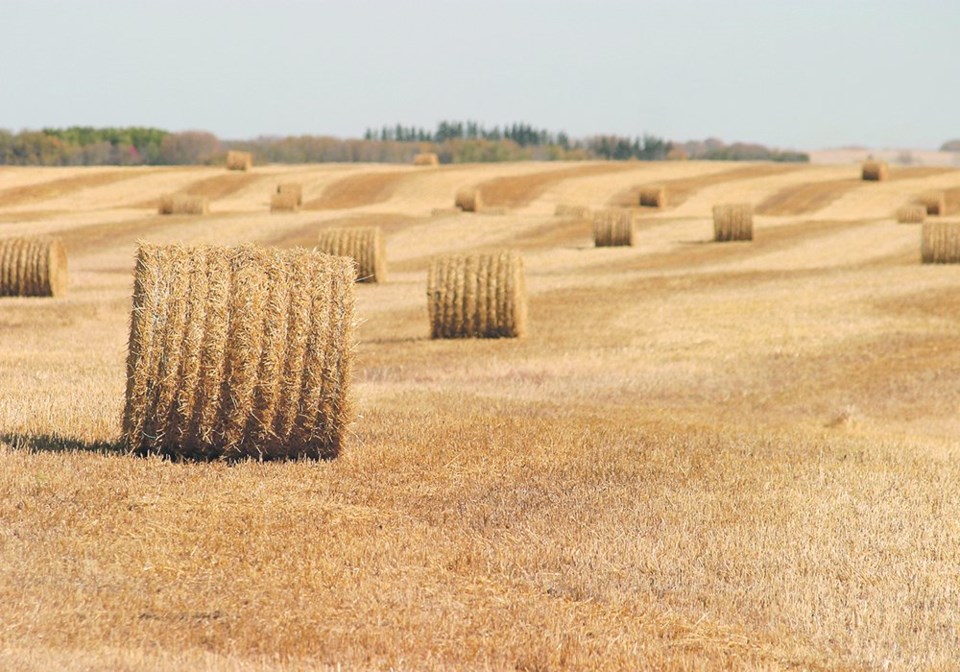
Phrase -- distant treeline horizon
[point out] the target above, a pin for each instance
(453, 142)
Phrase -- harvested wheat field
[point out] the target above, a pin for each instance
(698, 456)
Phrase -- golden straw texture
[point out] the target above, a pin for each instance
(875, 171)
(426, 159)
(288, 202)
(364, 246)
(733, 221)
(911, 214)
(468, 200)
(940, 243)
(239, 160)
(33, 266)
(182, 204)
(653, 197)
(239, 352)
(477, 296)
(613, 228)
(292, 188)
(572, 211)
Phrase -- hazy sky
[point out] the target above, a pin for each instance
(792, 73)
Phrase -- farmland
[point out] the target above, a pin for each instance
(701, 455)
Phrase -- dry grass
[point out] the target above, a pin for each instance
(468, 200)
(288, 202)
(239, 160)
(911, 214)
(613, 227)
(238, 352)
(477, 296)
(732, 221)
(940, 243)
(700, 457)
(653, 197)
(292, 188)
(935, 203)
(426, 159)
(33, 266)
(875, 171)
(572, 211)
(364, 245)
(183, 204)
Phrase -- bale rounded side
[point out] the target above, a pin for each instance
(292, 188)
(33, 266)
(940, 243)
(911, 214)
(732, 221)
(613, 228)
(288, 202)
(237, 160)
(468, 200)
(875, 171)
(365, 246)
(653, 197)
(238, 352)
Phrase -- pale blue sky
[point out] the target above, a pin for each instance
(805, 73)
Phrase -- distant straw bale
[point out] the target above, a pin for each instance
(477, 296)
(292, 188)
(364, 246)
(183, 204)
(33, 266)
(468, 200)
(911, 214)
(613, 228)
(940, 242)
(875, 171)
(653, 197)
(238, 352)
(572, 211)
(732, 221)
(426, 159)
(935, 203)
(239, 160)
(288, 202)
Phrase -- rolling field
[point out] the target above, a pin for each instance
(703, 456)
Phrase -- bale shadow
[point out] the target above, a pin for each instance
(56, 443)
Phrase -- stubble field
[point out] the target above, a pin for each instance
(703, 456)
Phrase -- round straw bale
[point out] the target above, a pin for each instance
(237, 160)
(733, 221)
(426, 159)
(572, 211)
(33, 266)
(364, 246)
(288, 202)
(940, 243)
(935, 203)
(875, 171)
(291, 188)
(477, 296)
(238, 352)
(911, 214)
(613, 228)
(468, 200)
(653, 197)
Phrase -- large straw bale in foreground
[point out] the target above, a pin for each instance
(477, 296)
(732, 221)
(239, 160)
(653, 197)
(288, 202)
(573, 211)
(911, 214)
(183, 204)
(613, 228)
(364, 245)
(238, 352)
(935, 203)
(875, 171)
(426, 159)
(292, 188)
(33, 266)
(940, 243)
(468, 200)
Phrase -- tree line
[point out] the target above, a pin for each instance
(452, 141)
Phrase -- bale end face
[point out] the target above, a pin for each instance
(613, 228)
(732, 222)
(875, 171)
(940, 243)
(911, 214)
(477, 296)
(33, 266)
(468, 200)
(426, 159)
(364, 246)
(653, 197)
(238, 352)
